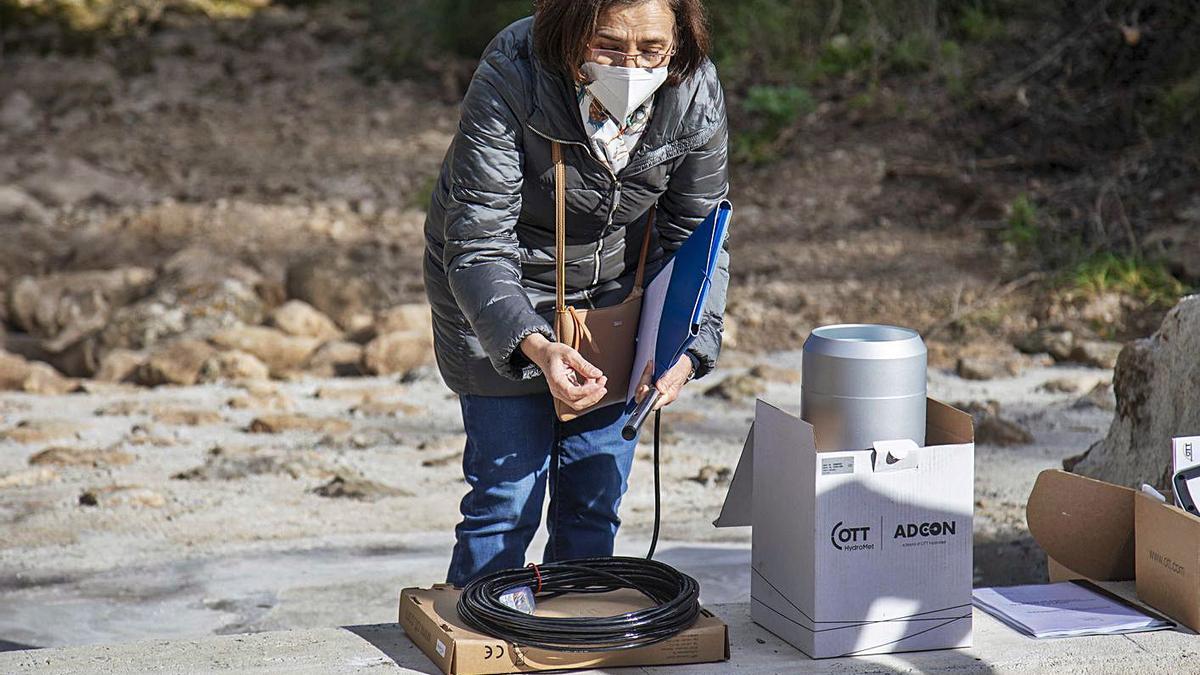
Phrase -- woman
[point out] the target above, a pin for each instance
(627, 88)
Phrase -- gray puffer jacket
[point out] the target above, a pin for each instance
(489, 233)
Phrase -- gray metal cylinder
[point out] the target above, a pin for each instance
(863, 383)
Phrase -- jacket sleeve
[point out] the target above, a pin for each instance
(696, 186)
(481, 257)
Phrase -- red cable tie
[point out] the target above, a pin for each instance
(538, 575)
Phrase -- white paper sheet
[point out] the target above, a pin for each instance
(1064, 609)
(652, 308)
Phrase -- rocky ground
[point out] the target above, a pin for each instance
(216, 355)
(228, 507)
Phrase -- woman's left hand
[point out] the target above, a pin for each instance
(669, 384)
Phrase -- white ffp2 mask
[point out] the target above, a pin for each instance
(622, 90)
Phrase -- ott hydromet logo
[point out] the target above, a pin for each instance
(850, 538)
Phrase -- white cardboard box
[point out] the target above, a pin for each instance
(1185, 453)
(858, 552)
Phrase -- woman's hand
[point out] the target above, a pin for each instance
(572, 379)
(668, 385)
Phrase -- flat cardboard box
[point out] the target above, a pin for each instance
(1095, 530)
(1084, 525)
(429, 617)
(858, 551)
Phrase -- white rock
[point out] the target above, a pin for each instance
(1157, 383)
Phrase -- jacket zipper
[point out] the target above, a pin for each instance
(612, 210)
(596, 262)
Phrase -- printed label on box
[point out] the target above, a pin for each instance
(441, 648)
(834, 465)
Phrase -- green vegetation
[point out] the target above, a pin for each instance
(1181, 102)
(1107, 272)
(774, 109)
(1068, 89)
(413, 37)
(1023, 231)
(976, 25)
(116, 17)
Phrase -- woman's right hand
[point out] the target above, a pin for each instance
(571, 378)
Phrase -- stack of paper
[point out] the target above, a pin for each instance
(1065, 609)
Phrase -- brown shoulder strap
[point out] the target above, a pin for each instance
(560, 231)
(560, 227)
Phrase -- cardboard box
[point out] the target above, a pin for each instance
(429, 617)
(858, 552)
(1103, 532)
(1084, 525)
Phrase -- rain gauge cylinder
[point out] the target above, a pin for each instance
(863, 383)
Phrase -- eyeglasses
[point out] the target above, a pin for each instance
(609, 57)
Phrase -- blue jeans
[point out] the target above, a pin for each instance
(515, 447)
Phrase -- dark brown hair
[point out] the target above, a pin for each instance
(562, 29)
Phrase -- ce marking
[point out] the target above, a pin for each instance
(496, 652)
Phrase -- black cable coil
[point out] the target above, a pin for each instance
(675, 594)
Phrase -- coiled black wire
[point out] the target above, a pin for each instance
(675, 594)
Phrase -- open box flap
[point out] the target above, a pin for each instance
(1085, 525)
(945, 425)
(739, 502)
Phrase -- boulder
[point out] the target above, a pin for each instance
(29, 477)
(415, 316)
(296, 317)
(773, 373)
(1178, 246)
(186, 417)
(18, 206)
(235, 463)
(122, 495)
(1057, 342)
(737, 388)
(1070, 385)
(1157, 385)
(179, 362)
(357, 394)
(978, 368)
(347, 485)
(1101, 396)
(70, 456)
(275, 424)
(337, 358)
(19, 114)
(233, 365)
(119, 365)
(352, 287)
(44, 379)
(41, 431)
(397, 352)
(18, 374)
(13, 371)
(710, 476)
(375, 408)
(196, 293)
(257, 400)
(61, 308)
(1096, 353)
(62, 181)
(282, 353)
(996, 430)
(123, 408)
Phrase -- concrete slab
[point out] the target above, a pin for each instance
(754, 651)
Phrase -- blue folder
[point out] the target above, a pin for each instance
(673, 306)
